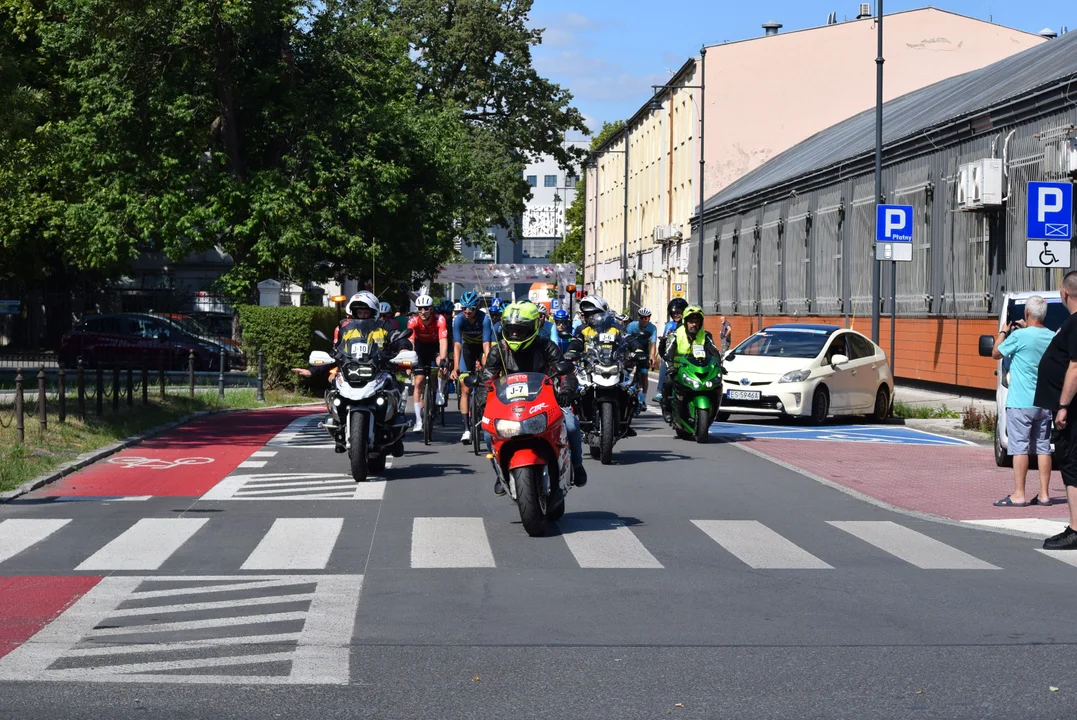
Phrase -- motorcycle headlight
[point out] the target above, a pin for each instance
(607, 369)
(513, 428)
(795, 376)
(692, 382)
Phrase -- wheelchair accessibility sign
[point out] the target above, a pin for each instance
(1047, 253)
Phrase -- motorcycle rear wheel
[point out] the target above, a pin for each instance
(609, 427)
(357, 453)
(529, 499)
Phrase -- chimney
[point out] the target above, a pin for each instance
(1047, 33)
(771, 27)
(865, 11)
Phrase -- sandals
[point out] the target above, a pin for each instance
(1007, 502)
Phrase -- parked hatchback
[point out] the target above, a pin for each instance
(137, 340)
(807, 371)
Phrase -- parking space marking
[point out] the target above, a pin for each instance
(878, 434)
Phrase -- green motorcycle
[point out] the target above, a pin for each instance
(697, 396)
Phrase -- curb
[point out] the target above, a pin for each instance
(941, 428)
(93, 456)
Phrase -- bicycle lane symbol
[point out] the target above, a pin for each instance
(134, 461)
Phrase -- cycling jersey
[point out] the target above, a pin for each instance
(651, 330)
(476, 332)
(422, 333)
(351, 333)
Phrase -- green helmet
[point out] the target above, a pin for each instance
(520, 325)
(693, 310)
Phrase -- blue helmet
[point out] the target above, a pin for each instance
(496, 306)
(560, 315)
(469, 300)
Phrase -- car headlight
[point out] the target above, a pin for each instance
(513, 428)
(795, 376)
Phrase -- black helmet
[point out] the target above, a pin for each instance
(676, 305)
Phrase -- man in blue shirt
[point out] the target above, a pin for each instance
(674, 311)
(472, 334)
(1028, 428)
(646, 330)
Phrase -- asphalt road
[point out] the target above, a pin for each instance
(684, 581)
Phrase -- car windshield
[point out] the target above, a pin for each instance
(793, 342)
(1056, 313)
(191, 326)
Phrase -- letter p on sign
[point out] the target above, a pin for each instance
(1051, 202)
(895, 220)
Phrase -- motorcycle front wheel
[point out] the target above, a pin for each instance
(529, 499)
(357, 453)
(608, 429)
(703, 425)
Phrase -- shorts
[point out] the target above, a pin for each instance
(428, 357)
(470, 355)
(1065, 458)
(1028, 429)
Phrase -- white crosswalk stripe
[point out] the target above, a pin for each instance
(912, 547)
(598, 543)
(145, 545)
(17, 535)
(450, 542)
(303, 433)
(758, 546)
(296, 544)
(295, 486)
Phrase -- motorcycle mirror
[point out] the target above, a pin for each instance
(320, 334)
(403, 334)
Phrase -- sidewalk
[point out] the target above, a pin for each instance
(917, 397)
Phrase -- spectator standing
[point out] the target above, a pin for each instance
(725, 335)
(1056, 387)
(1028, 428)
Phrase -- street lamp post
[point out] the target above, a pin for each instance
(876, 269)
(655, 105)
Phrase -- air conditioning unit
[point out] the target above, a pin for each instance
(1069, 163)
(963, 173)
(865, 10)
(982, 184)
(675, 229)
(661, 233)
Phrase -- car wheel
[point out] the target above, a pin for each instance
(882, 405)
(1002, 458)
(820, 405)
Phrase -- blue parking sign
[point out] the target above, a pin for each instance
(893, 223)
(1050, 211)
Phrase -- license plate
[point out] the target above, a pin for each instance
(743, 394)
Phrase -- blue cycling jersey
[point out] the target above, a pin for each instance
(475, 332)
(651, 329)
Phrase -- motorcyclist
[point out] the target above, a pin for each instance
(472, 335)
(599, 326)
(674, 312)
(430, 336)
(689, 340)
(527, 350)
(563, 322)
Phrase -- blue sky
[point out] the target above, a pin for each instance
(609, 52)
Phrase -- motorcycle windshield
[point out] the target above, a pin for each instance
(519, 387)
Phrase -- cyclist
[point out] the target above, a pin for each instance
(496, 309)
(546, 327)
(430, 336)
(563, 325)
(682, 342)
(674, 311)
(385, 314)
(457, 308)
(644, 333)
(472, 335)
(530, 351)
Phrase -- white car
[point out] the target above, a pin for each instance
(809, 371)
(1013, 309)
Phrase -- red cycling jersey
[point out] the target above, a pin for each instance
(432, 333)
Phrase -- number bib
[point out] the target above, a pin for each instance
(699, 352)
(360, 350)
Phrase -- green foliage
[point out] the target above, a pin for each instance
(286, 336)
(922, 412)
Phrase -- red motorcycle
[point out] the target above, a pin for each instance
(530, 446)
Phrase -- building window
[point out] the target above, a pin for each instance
(532, 180)
(550, 181)
(570, 181)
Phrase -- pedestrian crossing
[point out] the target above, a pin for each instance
(327, 544)
(303, 433)
(295, 486)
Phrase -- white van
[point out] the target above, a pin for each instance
(1013, 310)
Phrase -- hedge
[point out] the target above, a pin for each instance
(286, 336)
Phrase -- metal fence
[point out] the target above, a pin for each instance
(811, 251)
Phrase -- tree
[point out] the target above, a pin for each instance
(570, 250)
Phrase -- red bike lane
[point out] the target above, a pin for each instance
(185, 462)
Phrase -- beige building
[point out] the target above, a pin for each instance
(763, 96)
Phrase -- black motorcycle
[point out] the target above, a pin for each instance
(607, 400)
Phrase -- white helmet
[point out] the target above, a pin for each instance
(457, 307)
(385, 308)
(593, 303)
(363, 299)
(424, 301)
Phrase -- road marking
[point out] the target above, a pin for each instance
(303, 433)
(1034, 526)
(450, 542)
(912, 547)
(841, 433)
(295, 486)
(600, 543)
(252, 464)
(213, 605)
(759, 547)
(130, 498)
(86, 644)
(145, 545)
(264, 454)
(18, 535)
(296, 544)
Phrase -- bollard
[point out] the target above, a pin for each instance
(80, 381)
(42, 413)
(261, 370)
(130, 386)
(190, 374)
(116, 388)
(220, 375)
(145, 384)
(161, 374)
(20, 426)
(100, 391)
(60, 389)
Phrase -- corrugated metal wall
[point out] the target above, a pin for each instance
(811, 253)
